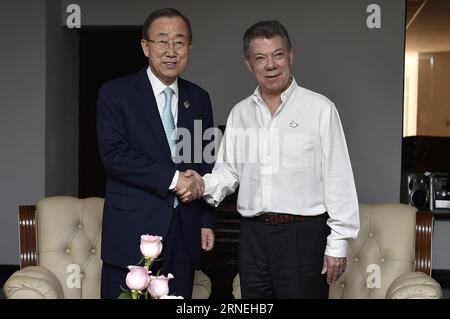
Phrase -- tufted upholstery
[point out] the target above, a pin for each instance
(381, 261)
(386, 242)
(68, 242)
(77, 226)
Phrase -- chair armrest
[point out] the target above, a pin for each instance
(414, 285)
(33, 282)
(237, 287)
(202, 286)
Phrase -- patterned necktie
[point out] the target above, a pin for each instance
(169, 126)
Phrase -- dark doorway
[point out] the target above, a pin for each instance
(105, 54)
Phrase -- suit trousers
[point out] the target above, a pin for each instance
(174, 259)
(283, 260)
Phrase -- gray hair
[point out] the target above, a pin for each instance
(268, 30)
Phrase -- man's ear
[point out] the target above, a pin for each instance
(291, 57)
(144, 47)
(249, 66)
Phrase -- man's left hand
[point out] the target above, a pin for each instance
(207, 239)
(334, 267)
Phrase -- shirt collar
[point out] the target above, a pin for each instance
(158, 87)
(284, 96)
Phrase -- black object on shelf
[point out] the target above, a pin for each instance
(422, 154)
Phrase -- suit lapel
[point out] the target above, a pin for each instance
(184, 117)
(185, 121)
(149, 109)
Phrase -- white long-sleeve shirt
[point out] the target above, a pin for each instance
(294, 162)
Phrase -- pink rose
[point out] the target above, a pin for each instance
(137, 278)
(159, 285)
(151, 246)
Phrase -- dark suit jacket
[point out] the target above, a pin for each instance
(136, 156)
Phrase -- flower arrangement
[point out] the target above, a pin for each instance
(139, 281)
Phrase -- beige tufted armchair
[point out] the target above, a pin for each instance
(59, 239)
(390, 258)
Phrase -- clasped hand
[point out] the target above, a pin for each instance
(190, 186)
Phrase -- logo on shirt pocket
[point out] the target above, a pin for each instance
(298, 151)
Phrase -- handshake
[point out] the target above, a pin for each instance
(190, 186)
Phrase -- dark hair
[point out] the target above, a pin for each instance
(268, 30)
(166, 12)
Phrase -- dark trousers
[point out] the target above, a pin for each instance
(174, 259)
(284, 260)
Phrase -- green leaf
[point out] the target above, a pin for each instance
(125, 295)
(123, 289)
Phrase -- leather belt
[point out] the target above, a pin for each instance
(275, 218)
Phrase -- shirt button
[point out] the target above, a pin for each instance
(356, 259)
(67, 251)
(80, 226)
(383, 260)
(370, 234)
(342, 285)
(93, 251)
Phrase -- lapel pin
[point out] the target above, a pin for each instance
(186, 104)
(293, 124)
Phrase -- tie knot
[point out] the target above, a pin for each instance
(168, 92)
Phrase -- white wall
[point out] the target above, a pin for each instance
(410, 99)
(360, 69)
(441, 242)
(38, 111)
(61, 127)
(22, 115)
(433, 98)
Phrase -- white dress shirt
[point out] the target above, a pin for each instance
(298, 163)
(158, 90)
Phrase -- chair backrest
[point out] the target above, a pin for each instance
(384, 249)
(68, 243)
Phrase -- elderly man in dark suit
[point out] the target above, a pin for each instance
(137, 117)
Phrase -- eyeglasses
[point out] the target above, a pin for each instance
(164, 45)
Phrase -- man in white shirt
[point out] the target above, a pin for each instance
(284, 147)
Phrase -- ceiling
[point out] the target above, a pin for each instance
(429, 30)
